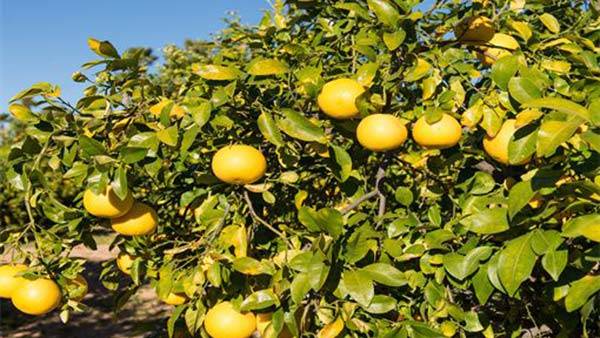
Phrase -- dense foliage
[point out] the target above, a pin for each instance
(408, 243)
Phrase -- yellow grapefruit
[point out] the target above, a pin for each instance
(497, 146)
(239, 164)
(8, 281)
(445, 133)
(337, 98)
(381, 132)
(36, 297)
(140, 220)
(223, 321)
(106, 204)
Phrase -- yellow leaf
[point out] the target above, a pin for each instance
(21, 112)
(419, 71)
(516, 5)
(235, 236)
(459, 90)
(554, 43)
(215, 72)
(522, 28)
(175, 110)
(332, 329)
(527, 116)
(550, 22)
(557, 66)
(471, 117)
(428, 86)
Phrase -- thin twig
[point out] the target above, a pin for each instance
(262, 221)
(375, 192)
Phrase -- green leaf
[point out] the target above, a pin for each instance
(404, 196)
(264, 67)
(543, 241)
(103, 48)
(461, 266)
(592, 138)
(385, 11)
(554, 262)
(300, 287)
(359, 286)
(385, 274)
(561, 105)
(553, 133)
(189, 136)
(580, 291)
(132, 154)
(366, 73)
(259, 300)
(252, 267)
(268, 128)
(421, 69)
(173, 319)
(216, 72)
(523, 89)
(482, 285)
(488, 221)
(587, 226)
(168, 136)
(343, 161)
(298, 126)
(326, 219)
(523, 144)
(519, 195)
(394, 39)
(91, 147)
(381, 304)
(515, 263)
(503, 70)
(120, 183)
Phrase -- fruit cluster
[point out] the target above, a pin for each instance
(37, 296)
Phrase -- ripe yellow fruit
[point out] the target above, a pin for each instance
(36, 297)
(140, 220)
(497, 146)
(475, 29)
(124, 262)
(78, 288)
(505, 43)
(381, 132)
(106, 204)
(239, 164)
(264, 319)
(338, 98)
(445, 133)
(223, 321)
(8, 281)
(175, 298)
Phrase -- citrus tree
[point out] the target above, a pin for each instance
(378, 168)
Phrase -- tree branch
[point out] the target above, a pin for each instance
(375, 192)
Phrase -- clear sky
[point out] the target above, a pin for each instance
(45, 40)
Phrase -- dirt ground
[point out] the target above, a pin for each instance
(143, 316)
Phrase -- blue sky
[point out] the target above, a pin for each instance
(44, 40)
